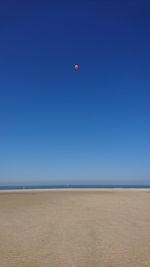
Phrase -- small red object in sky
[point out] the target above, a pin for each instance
(76, 66)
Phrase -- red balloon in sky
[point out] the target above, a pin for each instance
(76, 66)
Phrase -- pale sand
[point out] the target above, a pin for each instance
(75, 228)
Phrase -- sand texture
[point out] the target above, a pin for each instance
(75, 228)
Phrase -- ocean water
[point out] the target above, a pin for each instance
(7, 187)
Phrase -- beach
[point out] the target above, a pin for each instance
(75, 228)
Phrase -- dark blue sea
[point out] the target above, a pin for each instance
(69, 186)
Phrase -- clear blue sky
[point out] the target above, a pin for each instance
(60, 126)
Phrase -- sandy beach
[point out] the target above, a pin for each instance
(75, 228)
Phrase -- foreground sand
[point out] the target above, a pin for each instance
(75, 228)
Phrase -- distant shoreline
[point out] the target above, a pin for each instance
(65, 187)
(73, 190)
